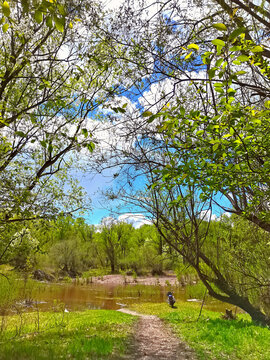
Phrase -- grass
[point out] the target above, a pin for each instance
(212, 337)
(93, 334)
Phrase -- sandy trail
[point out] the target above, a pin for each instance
(154, 340)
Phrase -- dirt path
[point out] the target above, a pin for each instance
(154, 340)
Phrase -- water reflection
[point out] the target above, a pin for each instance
(98, 296)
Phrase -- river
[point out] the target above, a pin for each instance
(75, 297)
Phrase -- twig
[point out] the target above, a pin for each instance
(204, 296)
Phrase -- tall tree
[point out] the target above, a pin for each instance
(56, 71)
(199, 128)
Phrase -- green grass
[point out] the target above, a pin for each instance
(212, 337)
(93, 334)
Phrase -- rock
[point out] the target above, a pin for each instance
(42, 276)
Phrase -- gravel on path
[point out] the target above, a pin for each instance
(154, 340)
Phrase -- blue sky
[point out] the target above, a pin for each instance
(95, 184)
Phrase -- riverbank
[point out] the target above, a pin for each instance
(115, 279)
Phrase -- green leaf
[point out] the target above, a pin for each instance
(50, 148)
(215, 147)
(49, 22)
(218, 42)
(85, 132)
(5, 27)
(20, 133)
(200, 132)
(43, 143)
(243, 58)
(231, 130)
(241, 72)
(6, 8)
(219, 62)
(59, 23)
(147, 114)
(235, 48)
(90, 146)
(62, 10)
(25, 5)
(236, 33)
(267, 104)
(182, 111)
(193, 46)
(220, 26)
(219, 90)
(231, 91)
(38, 16)
(211, 73)
(257, 49)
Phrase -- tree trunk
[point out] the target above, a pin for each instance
(241, 301)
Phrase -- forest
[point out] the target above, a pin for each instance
(172, 100)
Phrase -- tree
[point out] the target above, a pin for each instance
(56, 71)
(231, 264)
(203, 139)
(114, 237)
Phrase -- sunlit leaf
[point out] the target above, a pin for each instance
(257, 49)
(220, 26)
(147, 114)
(267, 104)
(243, 58)
(237, 32)
(38, 16)
(59, 23)
(6, 8)
(49, 22)
(218, 42)
(188, 55)
(5, 27)
(193, 46)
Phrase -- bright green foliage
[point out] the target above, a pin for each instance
(49, 87)
(52, 11)
(14, 290)
(227, 151)
(239, 249)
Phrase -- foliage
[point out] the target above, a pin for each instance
(226, 151)
(210, 336)
(50, 84)
(15, 290)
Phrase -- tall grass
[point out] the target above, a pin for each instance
(93, 334)
(15, 290)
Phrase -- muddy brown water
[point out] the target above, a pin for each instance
(75, 297)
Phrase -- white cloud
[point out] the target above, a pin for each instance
(208, 215)
(137, 220)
